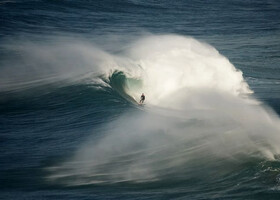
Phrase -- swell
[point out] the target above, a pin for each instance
(65, 94)
(199, 123)
(199, 117)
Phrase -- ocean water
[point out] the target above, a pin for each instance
(72, 72)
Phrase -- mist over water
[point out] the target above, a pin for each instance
(199, 119)
(71, 76)
(163, 64)
(56, 59)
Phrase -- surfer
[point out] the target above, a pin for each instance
(142, 98)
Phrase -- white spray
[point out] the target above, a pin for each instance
(196, 120)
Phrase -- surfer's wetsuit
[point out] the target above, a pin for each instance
(142, 98)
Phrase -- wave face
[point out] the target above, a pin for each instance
(200, 126)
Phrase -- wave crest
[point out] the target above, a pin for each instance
(210, 129)
(162, 66)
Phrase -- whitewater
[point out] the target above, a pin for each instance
(200, 119)
(71, 77)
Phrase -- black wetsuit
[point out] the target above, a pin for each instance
(142, 99)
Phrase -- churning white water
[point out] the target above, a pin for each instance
(199, 118)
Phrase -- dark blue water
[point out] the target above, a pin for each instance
(69, 131)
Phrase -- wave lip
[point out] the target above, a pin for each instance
(172, 62)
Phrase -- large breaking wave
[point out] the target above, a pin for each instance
(200, 121)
